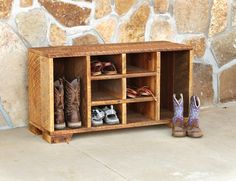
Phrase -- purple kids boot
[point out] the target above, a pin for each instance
(178, 127)
(193, 129)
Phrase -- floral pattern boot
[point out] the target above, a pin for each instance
(193, 129)
(178, 127)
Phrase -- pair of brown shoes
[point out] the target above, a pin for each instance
(191, 128)
(70, 113)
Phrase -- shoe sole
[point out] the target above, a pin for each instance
(195, 135)
(179, 135)
(60, 126)
(97, 124)
(114, 122)
(74, 125)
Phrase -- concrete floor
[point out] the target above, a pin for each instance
(137, 154)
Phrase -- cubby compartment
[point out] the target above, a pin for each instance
(139, 82)
(175, 79)
(137, 63)
(106, 90)
(116, 60)
(119, 110)
(141, 112)
(71, 68)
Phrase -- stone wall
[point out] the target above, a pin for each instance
(208, 25)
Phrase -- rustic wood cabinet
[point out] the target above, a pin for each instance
(164, 67)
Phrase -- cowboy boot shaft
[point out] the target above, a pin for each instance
(178, 106)
(178, 128)
(59, 97)
(59, 106)
(193, 129)
(72, 102)
(59, 119)
(194, 108)
(72, 94)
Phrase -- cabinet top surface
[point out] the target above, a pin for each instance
(105, 49)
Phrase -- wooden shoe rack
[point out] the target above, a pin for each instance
(164, 67)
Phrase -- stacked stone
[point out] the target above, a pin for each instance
(209, 26)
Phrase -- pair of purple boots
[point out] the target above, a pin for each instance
(191, 128)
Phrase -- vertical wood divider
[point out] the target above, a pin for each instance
(190, 74)
(88, 82)
(158, 85)
(124, 109)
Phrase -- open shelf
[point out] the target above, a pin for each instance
(175, 78)
(70, 68)
(106, 90)
(138, 82)
(115, 59)
(141, 112)
(140, 63)
(134, 117)
(119, 111)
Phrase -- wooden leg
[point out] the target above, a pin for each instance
(34, 130)
(57, 138)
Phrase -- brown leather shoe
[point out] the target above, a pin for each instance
(59, 122)
(178, 127)
(193, 129)
(72, 103)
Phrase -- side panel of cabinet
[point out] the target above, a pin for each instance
(46, 93)
(34, 101)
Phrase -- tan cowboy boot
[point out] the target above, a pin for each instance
(193, 129)
(59, 120)
(72, 103)
(178, 127)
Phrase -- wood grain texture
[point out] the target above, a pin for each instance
(191, 57)
(88, 91)
(46, 93)
(34, 89)
(109, 127)
(57, 139)
(109, 49)
(182, 78)
(166, 81)
(34, 129)
(158, 85)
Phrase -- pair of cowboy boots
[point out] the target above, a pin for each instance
(68, 94)
(191, 128)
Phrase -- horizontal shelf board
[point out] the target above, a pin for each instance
(120, 76)
(107, 77)
(135, 71)
(146, 123)
(102, 96)
(120, 101)
(109, 127)
(107, 102)
(141, 74)
(108, 49)
(139, 99)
